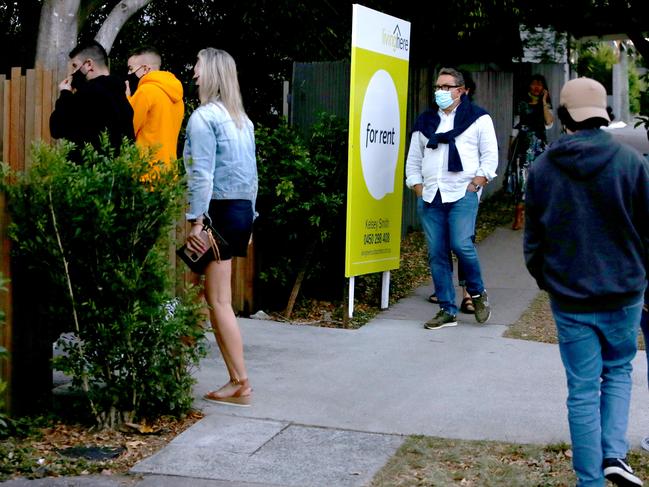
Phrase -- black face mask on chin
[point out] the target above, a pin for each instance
(133, 80)
(78, 79)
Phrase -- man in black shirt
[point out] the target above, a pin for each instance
(91, 101)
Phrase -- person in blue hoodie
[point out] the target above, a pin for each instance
(586, 241)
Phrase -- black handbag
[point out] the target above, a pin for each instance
(197, 262)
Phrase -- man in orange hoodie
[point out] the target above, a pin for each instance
(157, 100)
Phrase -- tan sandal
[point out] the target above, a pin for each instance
(241, 397)
(467, 306)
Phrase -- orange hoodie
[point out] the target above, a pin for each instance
(158, 113)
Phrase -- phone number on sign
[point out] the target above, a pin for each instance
(376, 238)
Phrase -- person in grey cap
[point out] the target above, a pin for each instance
(586, 243)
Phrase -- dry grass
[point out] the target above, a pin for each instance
(436, 462)
(425, 461)
(536, 323)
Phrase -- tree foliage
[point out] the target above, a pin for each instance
(593, 18)
(266, 37)
(636, 88)
(596, 61)
(18, 33)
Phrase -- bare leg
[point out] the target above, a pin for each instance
(195, 280)
(465, 292)
(218, 294)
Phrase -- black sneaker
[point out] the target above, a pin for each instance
(441, 320)
(481, 306)
(618, 471)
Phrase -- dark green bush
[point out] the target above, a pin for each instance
(301, 205)
(91, 239)
(4, 419)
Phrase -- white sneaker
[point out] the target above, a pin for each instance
(619, 472)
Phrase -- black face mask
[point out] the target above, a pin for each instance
(133, 80)
(78, 79)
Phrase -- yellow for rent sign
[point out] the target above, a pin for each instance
(377, 122)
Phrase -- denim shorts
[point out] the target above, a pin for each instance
(233, 220)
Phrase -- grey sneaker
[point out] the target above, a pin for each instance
(441, 320)
(618, 471)
(482, 308)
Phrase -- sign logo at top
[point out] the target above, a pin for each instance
(382, 34)
(395, 40)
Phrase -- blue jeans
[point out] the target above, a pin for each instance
(450, 226)
(596, 351)
(644, 325)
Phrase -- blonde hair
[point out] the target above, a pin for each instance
(219, 82)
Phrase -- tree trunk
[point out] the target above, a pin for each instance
(298, 280)
(59, 28)
(116, 20)
(57, 34)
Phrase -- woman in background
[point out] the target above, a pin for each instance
(221, 167)
(533, 118)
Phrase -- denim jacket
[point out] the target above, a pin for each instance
(219, 159)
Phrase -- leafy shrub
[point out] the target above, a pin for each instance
(596, 60)
(4, 419)
(643, 117)
(94, 235)
(301, 204)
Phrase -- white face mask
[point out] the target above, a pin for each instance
(444, 99)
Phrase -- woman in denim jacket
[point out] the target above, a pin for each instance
(219, 157)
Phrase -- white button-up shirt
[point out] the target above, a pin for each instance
(478, 149)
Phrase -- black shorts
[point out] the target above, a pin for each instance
(233, 220)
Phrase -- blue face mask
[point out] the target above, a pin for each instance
(443, 99)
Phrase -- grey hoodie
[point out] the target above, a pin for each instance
(587, 222)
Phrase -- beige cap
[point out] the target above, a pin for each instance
(584, 98)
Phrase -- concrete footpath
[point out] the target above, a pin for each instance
(331, 406)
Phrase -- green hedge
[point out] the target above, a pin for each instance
(92, 237)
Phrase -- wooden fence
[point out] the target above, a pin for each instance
(27, 98)
(26, 101)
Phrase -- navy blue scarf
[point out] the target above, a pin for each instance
(465, 115)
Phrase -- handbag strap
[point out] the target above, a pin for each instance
(213, 244)
(207, 218)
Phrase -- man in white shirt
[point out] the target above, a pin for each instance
(453, 154)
